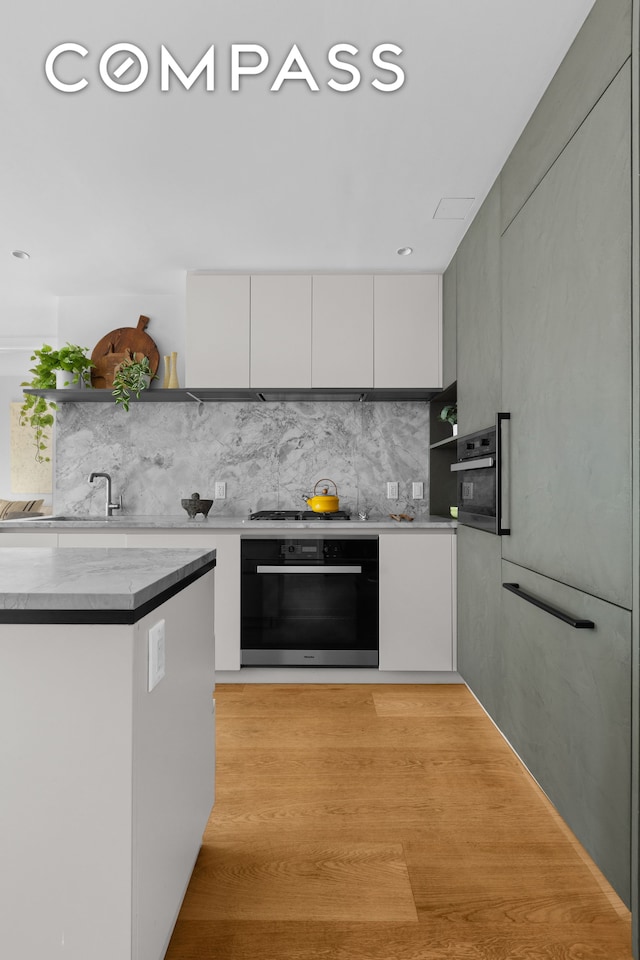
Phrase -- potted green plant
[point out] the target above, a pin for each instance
(132, 376)
(449, 414)
(36, 411)
(73, 360)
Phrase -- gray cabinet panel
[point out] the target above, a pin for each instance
(449, 312)
(566, 374)
(568, 711)
(600, 49)
(480, 655)
(478, 318)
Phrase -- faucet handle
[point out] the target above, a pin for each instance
(118, 504)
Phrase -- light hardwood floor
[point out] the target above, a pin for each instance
(379, 822)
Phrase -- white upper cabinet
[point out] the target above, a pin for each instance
(280, 331)
(342, 331)
(217, 335)
(407, 330)
(347, 331)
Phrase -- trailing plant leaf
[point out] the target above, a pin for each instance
(131, 377)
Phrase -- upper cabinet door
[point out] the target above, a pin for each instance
(342, 331)
(478, 319)
(280, 331)
(567, 349)
(407, 330)
(217, 334)
(449, 324)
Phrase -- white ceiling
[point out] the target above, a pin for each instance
(117, 193)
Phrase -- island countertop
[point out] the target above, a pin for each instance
(94, 584)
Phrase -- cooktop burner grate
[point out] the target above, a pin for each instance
(298, 515)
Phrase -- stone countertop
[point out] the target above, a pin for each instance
(241, 524)
(95, 578)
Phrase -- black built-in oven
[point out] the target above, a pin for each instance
(309, 602)
(479, 469)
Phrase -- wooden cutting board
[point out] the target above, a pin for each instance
(116, 346)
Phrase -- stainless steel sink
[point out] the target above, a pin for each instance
(71, 519)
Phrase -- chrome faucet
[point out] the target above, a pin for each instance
(109, 506)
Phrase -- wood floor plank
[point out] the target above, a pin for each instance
(228, 940)
(318, 763)
(348, 778)
(361, 818)
(279, 880)
(383, 822)
(287, 700)
(541, 883)
(437, 734)
(442, 699)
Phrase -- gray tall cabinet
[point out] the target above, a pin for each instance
(544, 331)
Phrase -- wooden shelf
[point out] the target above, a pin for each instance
(154, 395)
(240, 395)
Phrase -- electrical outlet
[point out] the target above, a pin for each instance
(220, 490)
(156, 654)
(417, 490)
(392, 490)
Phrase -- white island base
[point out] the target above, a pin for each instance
(106, 787)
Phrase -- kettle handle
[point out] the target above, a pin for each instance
(330, 481)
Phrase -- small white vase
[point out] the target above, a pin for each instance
(455, 429)
(63, 380)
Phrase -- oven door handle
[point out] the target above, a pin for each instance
(301, 568)
(500, 419)
(480, 464)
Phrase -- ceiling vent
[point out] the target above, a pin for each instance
(454, 208)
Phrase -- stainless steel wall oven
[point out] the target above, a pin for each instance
(479, 468)
(309, 602)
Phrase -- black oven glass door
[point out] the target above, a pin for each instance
(479, 479)
(476, 480)
(477, 497)
(309, 602)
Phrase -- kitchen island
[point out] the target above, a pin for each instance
(107, 718)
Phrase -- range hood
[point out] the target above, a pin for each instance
(317, 394)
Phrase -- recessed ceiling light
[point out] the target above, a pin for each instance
(21, 254)
(404, 251)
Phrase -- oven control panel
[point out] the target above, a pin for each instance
(309, 549)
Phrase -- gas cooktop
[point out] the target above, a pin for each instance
(298, 515)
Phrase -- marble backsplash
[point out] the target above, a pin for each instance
(269, 454)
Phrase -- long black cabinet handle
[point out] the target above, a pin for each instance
(560, 614)
(500, 530)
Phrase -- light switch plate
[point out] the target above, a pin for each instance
(156, 654)
(220, 490)
(392, 490)
(417, 490)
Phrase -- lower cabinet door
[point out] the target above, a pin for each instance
(417, 599)
(567, 710)
(227, 584)
(479, 605)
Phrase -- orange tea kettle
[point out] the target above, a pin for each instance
(323, 503)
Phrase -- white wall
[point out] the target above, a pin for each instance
(81, 320)
(26, 325)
